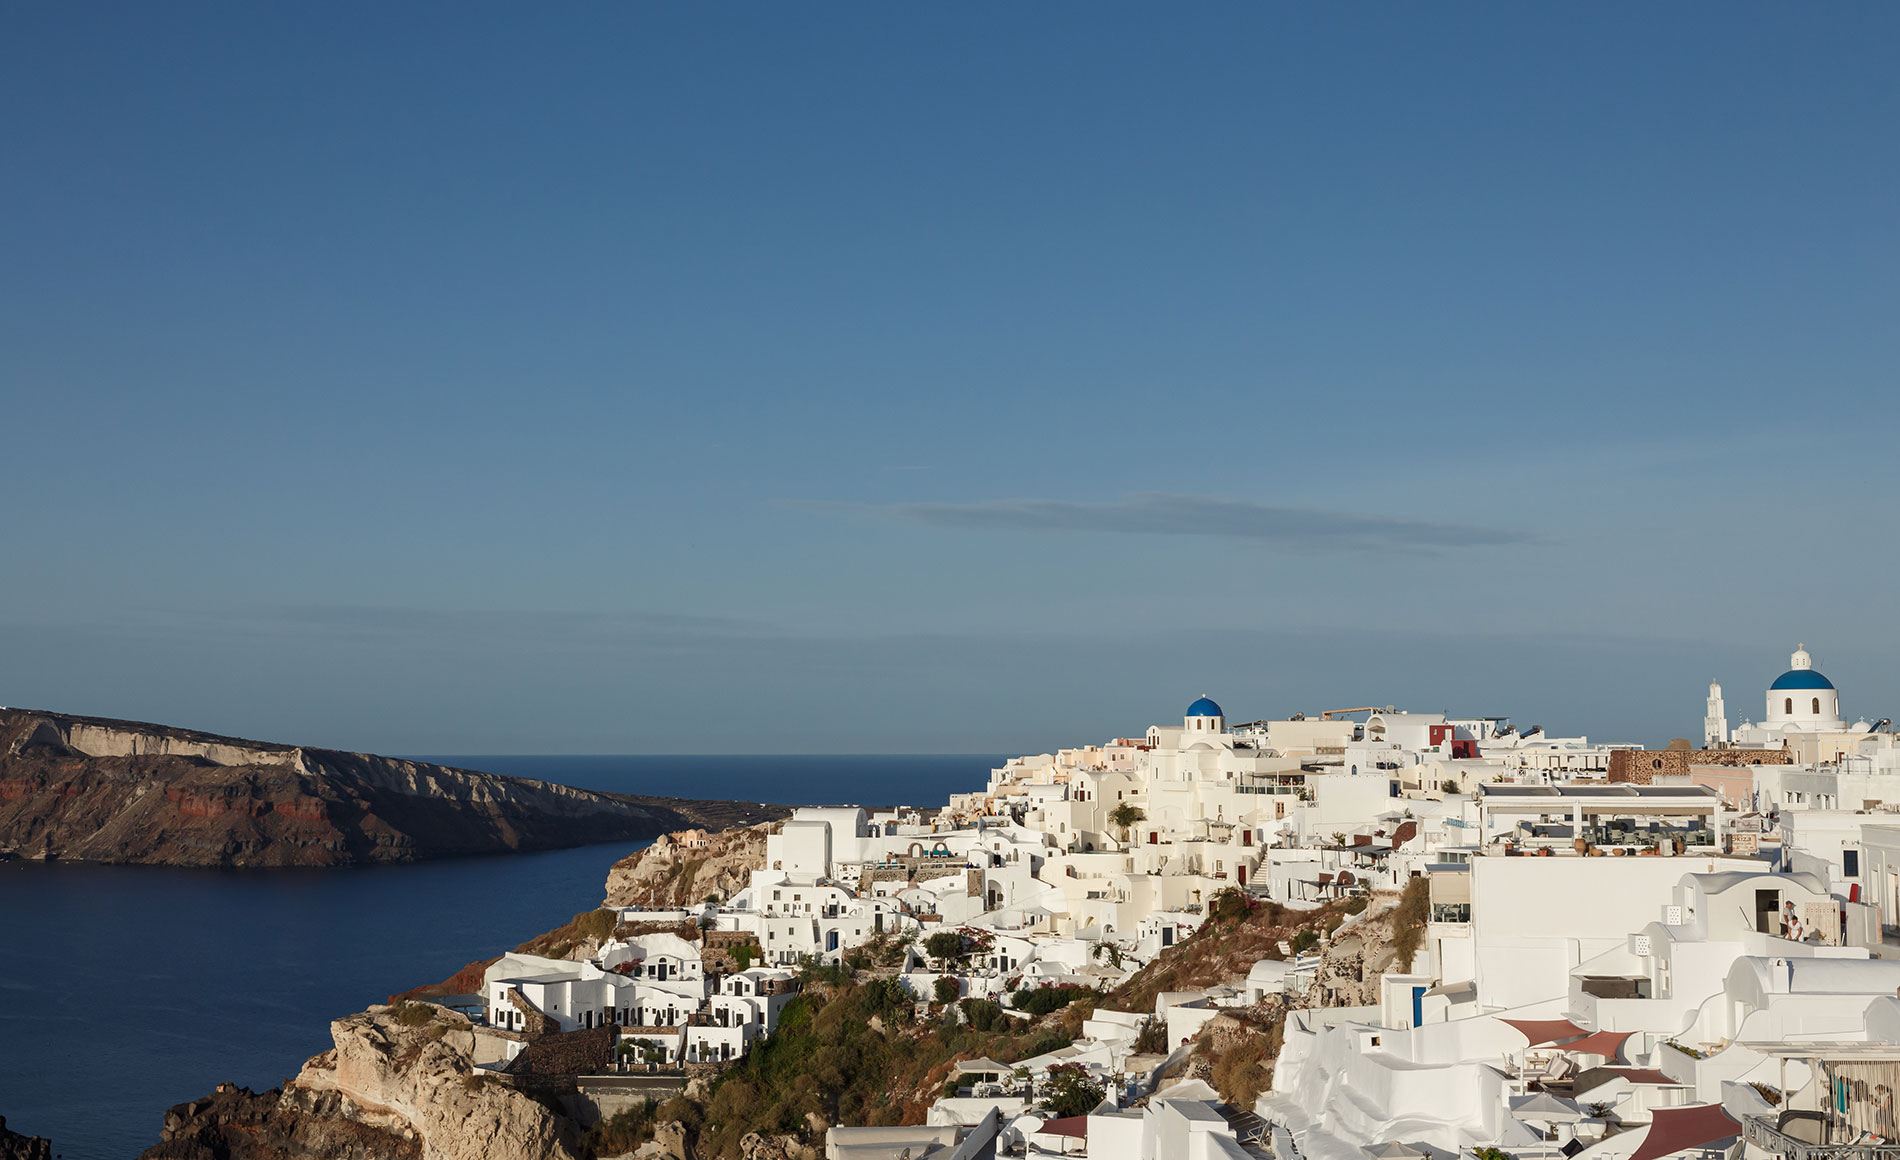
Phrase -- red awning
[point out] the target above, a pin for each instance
(1603, 1043)
(1545, 1030)
(1077, 1126)
(1645, 1075)
(1674, 1129)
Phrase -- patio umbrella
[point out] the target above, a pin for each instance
(1393, 1150)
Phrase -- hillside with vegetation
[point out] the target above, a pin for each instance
(855, 1047)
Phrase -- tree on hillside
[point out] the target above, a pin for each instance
(1068, 1090)
(1409, 918)
(1126, 816)
(944, 946)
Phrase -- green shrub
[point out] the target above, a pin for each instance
(1068, 1091)
(595, 924)
(1409, 918)
(983, 1015)
(948, 989)
(621, 1132)
(1045, 1043)
(415, 1014)
(1239, 1074)
(1230, 905)
(1043, 1000)
(681, 1109)
(812, 970)
(1152, 1039)
(944, 945)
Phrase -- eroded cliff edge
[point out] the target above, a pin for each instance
(93, 789)
(393, 1088)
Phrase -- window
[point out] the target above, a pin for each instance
(1850, 863)
(1787, 706)
(1817, 706)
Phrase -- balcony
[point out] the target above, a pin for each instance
(1762, 1133)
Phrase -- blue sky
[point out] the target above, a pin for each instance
(979, 378)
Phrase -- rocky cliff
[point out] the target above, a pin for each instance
(14, 1146)
(117, 791)
(683, 869)
(398, 1085)
(1385, 938)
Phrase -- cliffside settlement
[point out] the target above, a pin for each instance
(1368, 932)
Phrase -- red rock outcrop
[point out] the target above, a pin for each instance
(115, 791)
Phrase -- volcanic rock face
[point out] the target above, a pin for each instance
(14, 1146)
(239, 1124)
(1354, 961)
(390, 1090)
(682, 869)
(116, 791)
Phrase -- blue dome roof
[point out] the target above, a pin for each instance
(1204, 708)
(1801, 679)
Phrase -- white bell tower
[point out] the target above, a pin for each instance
(1715, 725)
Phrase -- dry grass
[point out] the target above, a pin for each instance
(1237, 934)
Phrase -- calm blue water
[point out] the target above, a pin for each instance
(127, 989)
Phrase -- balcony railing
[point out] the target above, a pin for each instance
(1763, 1134)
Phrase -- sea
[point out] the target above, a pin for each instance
(127, 989)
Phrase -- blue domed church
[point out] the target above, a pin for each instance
(1204, 716)
(1800, 700)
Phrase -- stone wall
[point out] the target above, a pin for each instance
(1741, 757)
(717, 955)
(566, 1053)
(536, 1021)
(596, 1100)
(1643, 766)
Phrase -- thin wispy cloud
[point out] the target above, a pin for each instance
(1161, 514)
(552, 629)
